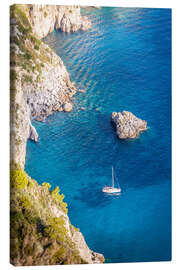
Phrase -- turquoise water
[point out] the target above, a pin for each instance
(124, 63)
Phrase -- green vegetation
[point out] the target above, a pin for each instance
(30, 55)
(36, 47)
(47, 50)
(12, 58)
(56, 229)
(46, 185)
(59, 199)
(59, 255)
(24, 25)
(13, 75)
(18, 179)
(28, 250)
(13, 78)
(27, 79)
(30, 184)
(35, 231)
(22, 16)
(73, 229)
(24, 202)
(35, 40)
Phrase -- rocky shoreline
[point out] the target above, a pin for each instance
(40, 83)
(39, 86)
(52, 92)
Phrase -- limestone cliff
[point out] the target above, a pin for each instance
(40, 83)
(41, 232)
(46, 18)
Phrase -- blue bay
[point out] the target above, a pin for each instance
(124, 63)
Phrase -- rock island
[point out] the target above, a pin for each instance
(127, 124)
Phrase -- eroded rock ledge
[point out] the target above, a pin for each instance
(127, 124)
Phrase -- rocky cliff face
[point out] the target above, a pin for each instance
(41, 232)
(46, 18)
(40, 83)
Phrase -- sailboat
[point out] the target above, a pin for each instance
(111, 189)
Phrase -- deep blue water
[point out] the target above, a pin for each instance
(124, 63)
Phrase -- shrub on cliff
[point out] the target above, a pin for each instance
(56, 229)
(58, 198)
(18, 179)
(46, 185)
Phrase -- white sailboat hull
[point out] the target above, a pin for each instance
(111, 189)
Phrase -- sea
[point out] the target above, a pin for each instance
(123, 63)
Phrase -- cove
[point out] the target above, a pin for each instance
(124, 63)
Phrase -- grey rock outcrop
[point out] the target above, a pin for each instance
(127, 124)
(52, 91)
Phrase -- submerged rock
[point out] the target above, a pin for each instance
(127, 124)
(98, 109)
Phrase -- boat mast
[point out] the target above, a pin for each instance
(112, 177)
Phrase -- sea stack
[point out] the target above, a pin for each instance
(33, 135)
(127, 124)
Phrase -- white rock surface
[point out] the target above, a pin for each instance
(33, 135)
(46, 18)
(87, 254)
